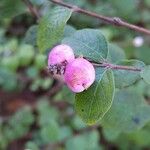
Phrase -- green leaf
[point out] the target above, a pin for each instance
(9, 8)
(13, 131)
(92, 104)
(31, 145)
(19, 118)
(115, 53)
(140, 137)
(89, 43)
(69, 30)
(32, 72)
(6, 62)
(110, 134)
(65, 132)
(25, 54)
(77, 123)
(124, 78)
(6, 84)
(50, 133)
(87, 141)
(51, 27)
(40, 61)
(31, 35)
(129, 112)
(143, 54)
(145, 74)
(46, 113)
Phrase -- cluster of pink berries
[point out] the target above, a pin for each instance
(78, 73)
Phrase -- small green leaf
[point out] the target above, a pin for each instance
(7, 62)
(141, 137)
(50, 133)
(92, 104)
(89, 43)
(51, 27)
(32, 72)
(77, 123)
(145, 74)
(31, 146)
(40, 61)
(46, 113)
(19, 118)
(87, 141)
(6, 84)
(124, 78)
(65, 132)
(25, 54)
(129, 112)
(110, 134)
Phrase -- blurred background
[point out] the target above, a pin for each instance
(36, 111)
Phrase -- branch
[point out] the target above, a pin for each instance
(117, 67)
(32, 9)
(55, 89)
(115, 20)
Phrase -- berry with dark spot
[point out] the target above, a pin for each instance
(79, 75)
(58, 58)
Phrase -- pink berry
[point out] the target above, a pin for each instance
(79, 75)
(60, 54)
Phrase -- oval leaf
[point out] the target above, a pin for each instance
(89, 43)
(129, 112)
(92, 104)
(124, 78)
(51, 27)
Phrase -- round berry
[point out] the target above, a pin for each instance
(79, 75)
(60, 54)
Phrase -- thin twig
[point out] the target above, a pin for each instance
(32, 9)
(117, 67)
(55, 89)
(111, 20)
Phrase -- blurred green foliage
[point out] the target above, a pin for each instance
(51, 123)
